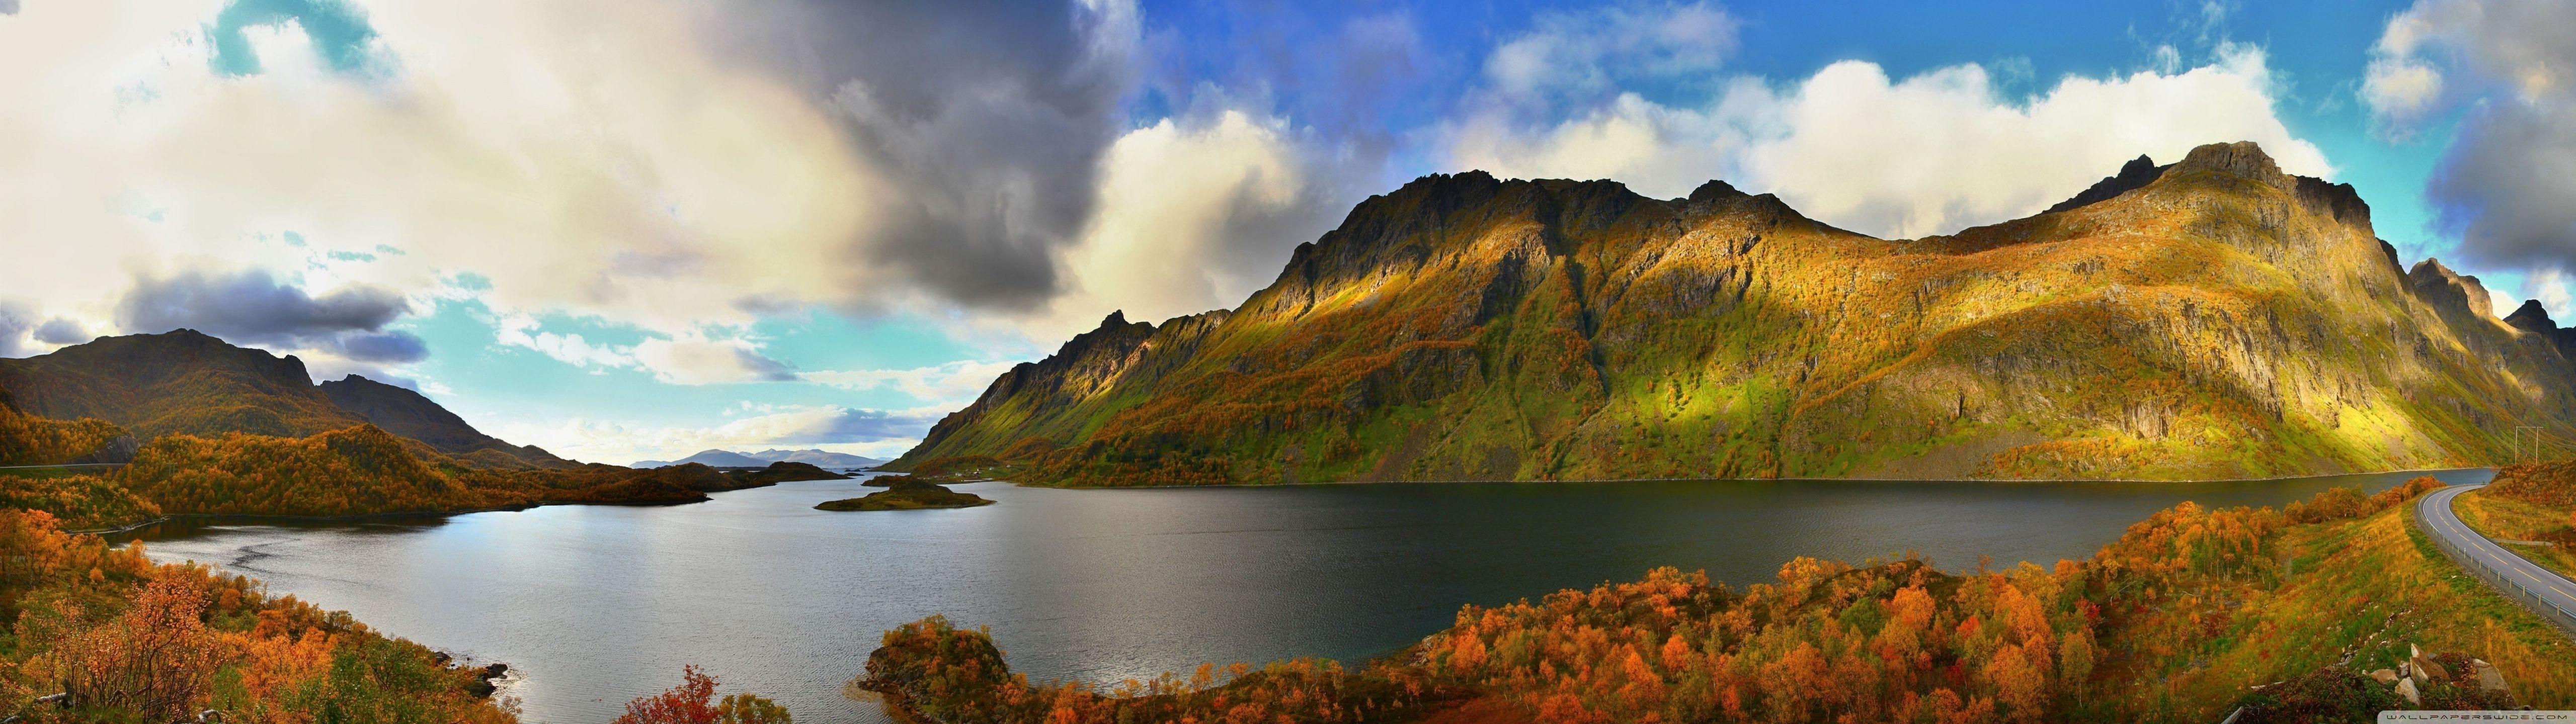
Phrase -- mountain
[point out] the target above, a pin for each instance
(729, 459)
(187, 382)
(2210, 318)
(408, 413)
(818, 459)
(178, 382)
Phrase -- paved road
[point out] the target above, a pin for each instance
(2542, 591)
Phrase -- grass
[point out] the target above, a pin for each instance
(2505, 519)
(2366, 589)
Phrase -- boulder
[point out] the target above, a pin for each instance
(2384, 676)
(2489, 679)
(2406, 688)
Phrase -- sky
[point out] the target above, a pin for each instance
(636, 229)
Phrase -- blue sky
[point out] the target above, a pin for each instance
(630, 229)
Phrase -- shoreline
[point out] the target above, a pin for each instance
(259, 518)
(255, 520)
(2006, 480)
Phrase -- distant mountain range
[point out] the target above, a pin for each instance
(188, 383)
(729, 459)
(2211, 317)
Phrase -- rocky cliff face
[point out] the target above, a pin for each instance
(187, 382)
(2211, 317)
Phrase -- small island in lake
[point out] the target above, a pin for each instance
(905, 492)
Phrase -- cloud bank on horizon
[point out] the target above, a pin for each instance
(638, 228)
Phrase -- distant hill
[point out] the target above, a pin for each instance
(2211, 317)
(407, 414)
(729, 459)
(187, 382)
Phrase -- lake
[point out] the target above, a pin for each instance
(595, 605)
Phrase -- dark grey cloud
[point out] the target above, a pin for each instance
(252, 308)
(988, 116)
(15, 319)
(395, 347)
(2505, 185)
(2504, 182)
(59, 331)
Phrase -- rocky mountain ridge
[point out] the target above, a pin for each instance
(2210, 318)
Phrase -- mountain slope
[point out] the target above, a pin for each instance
(2213, 317)
(187, 382)
(407, 414)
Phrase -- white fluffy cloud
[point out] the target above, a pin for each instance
(696, 359)
(1928, 154)
(692, 356)
(950, 384)
(1194, 215)
(584, 156)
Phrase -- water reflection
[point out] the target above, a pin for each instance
(598, 604)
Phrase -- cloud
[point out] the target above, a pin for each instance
(1197, 212)
(2503, 181)
(693, 357)
(1591, 56)
(878, 431)
(950, 384)
(252, 308)
(59, 331)
(388, 347)
(1929, 153)
(588, 156)
(15, 321)
(570, 348)
(985, 121)
(700, 361)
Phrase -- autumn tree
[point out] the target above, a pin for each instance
(694, 702)
(156, 659)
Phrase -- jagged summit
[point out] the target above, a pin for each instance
(2136, 173)
(2451, 290)
(1715, 190)
(2531, 316)
(1465, 326)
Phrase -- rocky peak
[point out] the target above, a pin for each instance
(2442, 287)
(2532, 318)
(2134, 175)
(1715, 191)
(2243, 157)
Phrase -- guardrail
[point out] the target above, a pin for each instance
(2555, 614)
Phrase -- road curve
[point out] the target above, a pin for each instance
(2540, 589)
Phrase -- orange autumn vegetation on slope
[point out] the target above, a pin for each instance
(2170, 623)
(360, 471)
(131, 641)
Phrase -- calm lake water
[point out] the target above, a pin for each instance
(597, 605)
